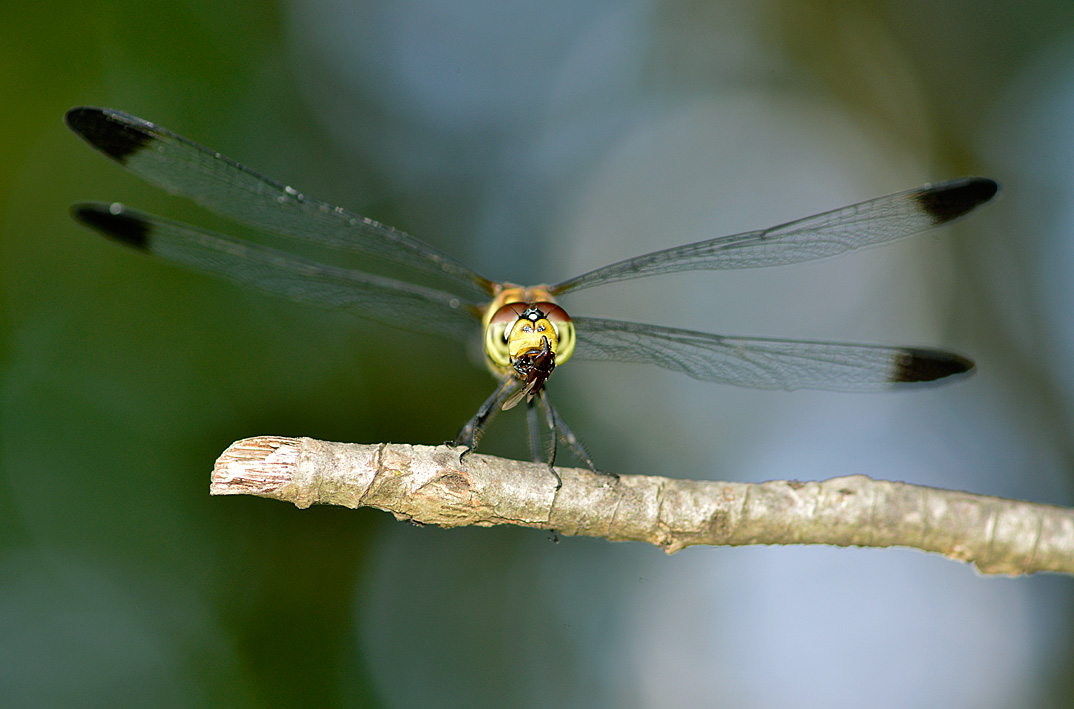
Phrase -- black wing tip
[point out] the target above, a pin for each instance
(113, 133)
(115, 222)
(949, 200)
(918, 365)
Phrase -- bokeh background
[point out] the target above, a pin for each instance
(534, 141)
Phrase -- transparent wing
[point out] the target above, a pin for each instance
(382, 299)
(875, 221)
(235, 191)
(763, 363)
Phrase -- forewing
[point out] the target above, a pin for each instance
(873, 222)
(235, 191)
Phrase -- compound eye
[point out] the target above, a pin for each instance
(564, 330)
(507, 314)
(555, 314)
(498, 331)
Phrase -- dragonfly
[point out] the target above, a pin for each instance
(524, 331)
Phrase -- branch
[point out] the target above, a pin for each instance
(431, 485)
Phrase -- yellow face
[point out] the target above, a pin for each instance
(529, 332)
(517, 322)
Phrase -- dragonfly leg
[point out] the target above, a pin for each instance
(473, 428)
(550, 416)
(562, 430)
(534, 432)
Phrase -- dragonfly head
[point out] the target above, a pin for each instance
(528, 339)
(519, 326)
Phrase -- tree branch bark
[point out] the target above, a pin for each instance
(431, 485)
